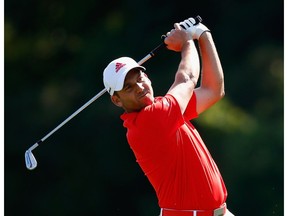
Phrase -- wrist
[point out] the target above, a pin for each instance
(205, 35)
(193, 28)
(188, 43)
(199, 30)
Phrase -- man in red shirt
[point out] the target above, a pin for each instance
(166, 145)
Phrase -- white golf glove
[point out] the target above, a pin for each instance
(196, 30)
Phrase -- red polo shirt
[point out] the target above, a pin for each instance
(173, 156)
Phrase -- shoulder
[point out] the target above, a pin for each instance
(162, 108)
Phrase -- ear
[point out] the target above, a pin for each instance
(116, 100)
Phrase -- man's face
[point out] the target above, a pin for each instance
(136, 94)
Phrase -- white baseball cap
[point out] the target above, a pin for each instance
(116, 71)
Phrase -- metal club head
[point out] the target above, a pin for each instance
(30, 160)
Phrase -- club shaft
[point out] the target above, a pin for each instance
(152, 53)
(73, 115)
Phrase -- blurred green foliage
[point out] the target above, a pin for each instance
(55, 52)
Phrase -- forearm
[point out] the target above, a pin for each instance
(186, 76)
(212, 77)
(189, 66)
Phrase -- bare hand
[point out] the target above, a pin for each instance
(176, 38)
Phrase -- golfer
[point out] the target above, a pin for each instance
(166, 145)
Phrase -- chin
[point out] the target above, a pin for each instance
(148, 100)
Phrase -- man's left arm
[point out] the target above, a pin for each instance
(211, 88)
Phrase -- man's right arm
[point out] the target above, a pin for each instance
(189, 68)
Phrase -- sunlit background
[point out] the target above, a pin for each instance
(55, 53)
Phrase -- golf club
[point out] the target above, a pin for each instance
(30, 160)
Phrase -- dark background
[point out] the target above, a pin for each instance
(55, 53)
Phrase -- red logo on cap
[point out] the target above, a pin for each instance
(119, 66)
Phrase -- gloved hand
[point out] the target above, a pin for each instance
(191, 26)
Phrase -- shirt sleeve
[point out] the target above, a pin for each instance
(190, 112)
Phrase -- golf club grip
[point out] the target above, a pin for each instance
(198, 19)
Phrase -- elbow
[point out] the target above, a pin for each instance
(218, 95)
(221, 90)
(222, 93)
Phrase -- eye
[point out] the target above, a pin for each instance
(141, 78)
